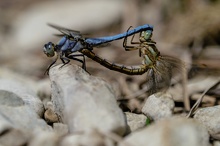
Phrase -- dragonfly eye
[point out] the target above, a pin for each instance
(146, 35)
(49, 49)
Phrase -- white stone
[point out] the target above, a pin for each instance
(169, 132)
(135, 121)
(44, 139)
(60, 128)
(24, 94)
(20, 112)
(89, 138)
(85, 102)
(14, 137)
(21, 117)
(158, 106)
(210, 118)
(216, 143)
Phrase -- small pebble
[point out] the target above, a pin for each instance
(49, 115)
(135, 121)
(158, 106)
(60, 128)
(210, 118)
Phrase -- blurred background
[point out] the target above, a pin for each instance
(186, 29)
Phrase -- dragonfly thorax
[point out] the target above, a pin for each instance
(150, 54)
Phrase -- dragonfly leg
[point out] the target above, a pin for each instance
(64, 59)
(48, 68)
(132, 40)
(130, 48)
(73, 56)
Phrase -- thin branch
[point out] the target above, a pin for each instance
(198, 102)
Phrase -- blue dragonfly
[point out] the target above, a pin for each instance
(68, 41)
(73, 41)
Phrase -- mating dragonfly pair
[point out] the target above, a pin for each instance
(159, 68)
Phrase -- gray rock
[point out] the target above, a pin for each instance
(24, 96)
(135, 121)
(60, 128)
(169, 132)
(159, 106)
(89, 138)
(4, 125)
(21, 117)
(10, 99)
(85, 102)
(44, 139)
(43, 89)
(216, 143)
(20, 109)
(14, 137)
(210, 118)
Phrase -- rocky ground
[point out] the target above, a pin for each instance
(71, 107)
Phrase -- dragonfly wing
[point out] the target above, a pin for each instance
(62, 28)
(59, 35)
(160, 76)
(66, 31)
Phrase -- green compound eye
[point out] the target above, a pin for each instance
(147, 34)
(49, 49)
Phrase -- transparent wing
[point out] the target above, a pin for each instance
(159, 77)
(66, 31)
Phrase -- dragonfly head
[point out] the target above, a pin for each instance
(49, 49)
(146, 35)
